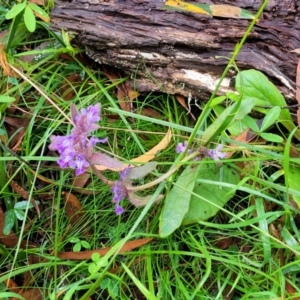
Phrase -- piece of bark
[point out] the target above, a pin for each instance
(176, 52)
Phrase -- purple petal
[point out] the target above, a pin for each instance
(181, 147)
(216, 154)
(119, 210)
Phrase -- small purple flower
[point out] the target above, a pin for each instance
(181, 147)
(216, 153)
(76, 149)
(119, 190)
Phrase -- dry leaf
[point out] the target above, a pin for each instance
(70, 82)
(31, 294)
(75, 212)
(4, 63)
(37, 2)
(181, 100)
(149, 155)
(128, 246)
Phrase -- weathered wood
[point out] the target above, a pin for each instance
(181, 52)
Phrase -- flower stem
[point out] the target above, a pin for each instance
(163, 177)
(101, 176)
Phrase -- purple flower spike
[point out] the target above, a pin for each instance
(119, 193)
(76, 149)
(216, 153)
(181, 147)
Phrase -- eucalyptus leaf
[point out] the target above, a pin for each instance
(177, 201)
(209, 196)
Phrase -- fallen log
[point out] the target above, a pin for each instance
(180, 52)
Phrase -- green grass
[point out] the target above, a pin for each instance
(248, 250)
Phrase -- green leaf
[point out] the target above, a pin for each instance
(254, 84)
(293, 177)
(77, 247)
(217, 100)
(95, 256)
(19, 214)
(252, 124)
(29, 19)
(38, 10)
(85, 244)
(15, 10)
(6, 99)
(11, 295)
(271, 137)
(270, 118)
(74, 240)
(177, 201)
(23, 205)
(9, 221)
(231, 114)
(210, 196)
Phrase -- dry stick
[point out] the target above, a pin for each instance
(41, 92)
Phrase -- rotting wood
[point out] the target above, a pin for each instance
(180, 52)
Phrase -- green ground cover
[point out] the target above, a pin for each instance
(226, 223)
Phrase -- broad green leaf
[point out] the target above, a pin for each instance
(29, 19)
(177, 202)
(254, 84)
(9, 221)
(185, 6)
(211, 197)
(15, 10)
(235, 128)
(270, 118)
(40, 12)
(271, 137)
(6, 99)
(293, 180)
(232, 113)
